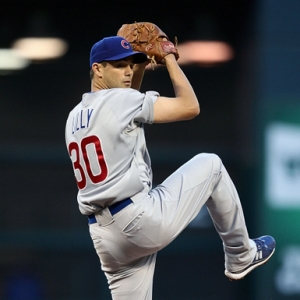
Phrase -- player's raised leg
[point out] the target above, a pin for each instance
(205, 180)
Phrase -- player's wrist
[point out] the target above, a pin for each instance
(169, 58)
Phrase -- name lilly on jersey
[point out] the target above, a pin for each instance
(81, 120)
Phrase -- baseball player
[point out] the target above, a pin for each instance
(129, 221)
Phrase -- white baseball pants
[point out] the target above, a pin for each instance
(128, 241)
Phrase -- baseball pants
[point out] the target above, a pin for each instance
(127, 242)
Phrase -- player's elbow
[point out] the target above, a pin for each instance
(197, 110)
(193, 111)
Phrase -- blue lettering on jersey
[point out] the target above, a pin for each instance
(82, 120)
(81, 125)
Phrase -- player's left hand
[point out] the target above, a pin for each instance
(149, 38)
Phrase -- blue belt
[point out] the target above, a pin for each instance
(115, 208)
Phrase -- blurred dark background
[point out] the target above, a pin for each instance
(45, 249)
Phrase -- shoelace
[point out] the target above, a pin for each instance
(260, 244)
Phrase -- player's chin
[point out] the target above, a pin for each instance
(127, 84)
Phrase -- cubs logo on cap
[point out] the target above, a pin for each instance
(125, 44)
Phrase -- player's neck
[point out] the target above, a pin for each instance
(98, 85)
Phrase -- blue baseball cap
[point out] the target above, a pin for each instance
(114, 48)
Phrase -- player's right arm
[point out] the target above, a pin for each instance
(185, 105)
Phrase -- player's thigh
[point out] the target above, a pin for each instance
(128, 270)
(193, 173)
(182, 195)
(133, 281)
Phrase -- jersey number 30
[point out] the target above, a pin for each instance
(97, 161)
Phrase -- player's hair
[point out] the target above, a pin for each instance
(91, 74)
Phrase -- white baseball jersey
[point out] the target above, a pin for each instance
(106, 143)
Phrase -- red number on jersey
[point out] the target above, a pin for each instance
(76, 165)
(99, 159)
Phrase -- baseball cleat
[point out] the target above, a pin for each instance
(265, 249)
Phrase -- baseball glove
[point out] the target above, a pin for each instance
(149, 38)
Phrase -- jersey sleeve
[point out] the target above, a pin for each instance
(129, 106)
(133, 107)
(146, 113)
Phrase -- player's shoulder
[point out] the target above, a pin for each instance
(124, 94)
(112, 93)
(125, 91)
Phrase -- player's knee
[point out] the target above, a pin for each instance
(212, 160)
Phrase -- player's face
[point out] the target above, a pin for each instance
(118, 73)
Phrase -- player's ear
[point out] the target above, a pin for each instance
(97, 69)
